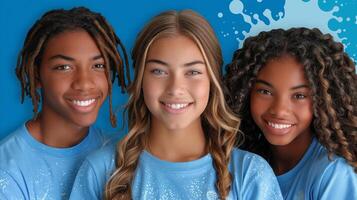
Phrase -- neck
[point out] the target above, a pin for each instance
(285, 158)
(56, 133)
(177, 145)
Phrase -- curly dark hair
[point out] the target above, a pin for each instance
(331, 75)
(58, 21)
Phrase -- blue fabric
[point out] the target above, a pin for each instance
(158, 179)
(32, 170)
(317, 177)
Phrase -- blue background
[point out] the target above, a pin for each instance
(233, 21)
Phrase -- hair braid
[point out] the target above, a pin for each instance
(58, 21)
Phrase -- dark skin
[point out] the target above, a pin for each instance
(281, 105)
(287, 157)
(73, 85)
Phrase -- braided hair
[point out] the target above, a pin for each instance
(58, 21)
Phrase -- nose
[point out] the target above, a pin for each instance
(83, 80)
(280, 107)
(175, 85)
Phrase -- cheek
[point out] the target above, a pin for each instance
(200, 89)
(55, 85)
(152, 90)
(101, 82)
(255, 105)
(305, 111)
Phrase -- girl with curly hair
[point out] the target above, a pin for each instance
(296, 93)
(182, 134)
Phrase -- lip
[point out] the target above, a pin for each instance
(277, 127)
(83, 104)
(176, 107)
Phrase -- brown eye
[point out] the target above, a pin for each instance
(264, 91)
(299, 96)
(62, 67)
(99, 67)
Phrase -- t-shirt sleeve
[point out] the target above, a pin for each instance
(339, 181)
(9, 188)
(86, 184)
(260, 183)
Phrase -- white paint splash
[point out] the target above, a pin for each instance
(297, 14)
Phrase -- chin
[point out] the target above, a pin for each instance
(278, 141)
(175, 127)
(85, 122)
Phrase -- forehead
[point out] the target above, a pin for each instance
(74, 42)
(285, 70)
(175, 48)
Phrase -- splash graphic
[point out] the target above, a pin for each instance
(249, 13)
(336, 17)
(343, 22)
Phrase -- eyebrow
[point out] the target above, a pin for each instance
(196, 62)
(271, 86)
(264, 83)
(157, 61)
(64, 57)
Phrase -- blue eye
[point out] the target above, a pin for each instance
(158, 72)
(193, 73)
(264, 91)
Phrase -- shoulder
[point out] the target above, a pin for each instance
(105, 154)
(13, 155)
(94, 174)
(12, 149)
(330, 175)
(247, 161)
(249, 164)
(323, 165)
(102, 161)
(253, 178)
(103, 137)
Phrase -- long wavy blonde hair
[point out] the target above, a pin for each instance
(219, 123)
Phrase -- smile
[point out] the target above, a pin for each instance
(279, 126)
(83, 103)
(177, 106)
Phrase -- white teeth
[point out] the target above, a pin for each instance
(83, 103)
(177, 105)
(279, 126)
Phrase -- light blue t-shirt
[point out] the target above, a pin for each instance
(34, 171)
(316, 177)
(158, 179)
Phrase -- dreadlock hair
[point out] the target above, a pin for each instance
(331, 76)
(219, 123)
(58, 21)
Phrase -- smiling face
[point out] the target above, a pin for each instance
(72, 79)
(176, 83)
(281, 102)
